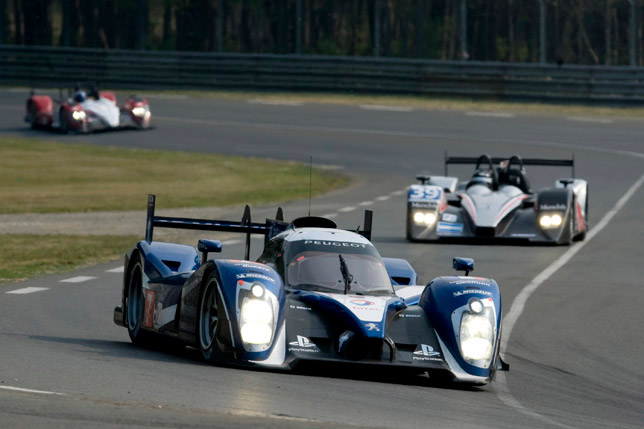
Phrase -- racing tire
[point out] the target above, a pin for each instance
(209, 320)
(135, 305)
(64, 126)
(571, 229)
(31, 114)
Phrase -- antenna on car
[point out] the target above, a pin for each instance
(310, 181)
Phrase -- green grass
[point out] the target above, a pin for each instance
(44, 177)
(26, 256)
(425, 102)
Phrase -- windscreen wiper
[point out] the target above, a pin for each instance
(346, 275)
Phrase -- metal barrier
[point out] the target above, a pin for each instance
(39, 66)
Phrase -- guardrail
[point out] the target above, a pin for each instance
(53, 66)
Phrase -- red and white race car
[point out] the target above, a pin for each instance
(85, 112)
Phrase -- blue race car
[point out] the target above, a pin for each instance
(317, 293)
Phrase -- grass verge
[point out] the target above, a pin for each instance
(27, 256)
(45, 177)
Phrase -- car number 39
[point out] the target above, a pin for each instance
(424, 193)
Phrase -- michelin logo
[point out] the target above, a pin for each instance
(255, 276)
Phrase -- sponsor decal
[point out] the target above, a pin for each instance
(299, 307)
(552, 207)
(470, 281)
(409, 315)
(426, 352)
(468, 291)
(253, 266)
(303, 344)
(362, 302)
(372, 327)
(255, 276)
(446, 228)
(420, 192)
(148, 314)
(335, 243)
(424, 204)
(449, 217)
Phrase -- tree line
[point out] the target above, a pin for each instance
(563, 31)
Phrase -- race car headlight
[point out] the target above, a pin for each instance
(425, 218)
(78, 115)
(550, 220)
(139, 111)
(256, 321)
(477, 337)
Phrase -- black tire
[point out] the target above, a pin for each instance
(135, 305)
(32, 115)
(64, 127)
(210, 320)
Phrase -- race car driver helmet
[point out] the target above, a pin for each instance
(482, 177)
(80, 96)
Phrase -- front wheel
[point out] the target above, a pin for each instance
(209, 322)
(62, 119)
(135, 305)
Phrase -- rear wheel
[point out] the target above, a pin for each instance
(62, 119)
(31, 115)
(135, 305)
(209, 322)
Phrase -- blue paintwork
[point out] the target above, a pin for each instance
(328, 304)
(230, 272)
(400, 268)
(443, 295)
(156, 252)
(209, 246)
(463, 264)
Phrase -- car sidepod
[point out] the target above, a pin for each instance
(465, 313)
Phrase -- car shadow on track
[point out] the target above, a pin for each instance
(173, 352)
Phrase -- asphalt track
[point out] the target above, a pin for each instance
(575, 349)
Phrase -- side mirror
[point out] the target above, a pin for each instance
(206, 246)
(423, 178)
(463, 264)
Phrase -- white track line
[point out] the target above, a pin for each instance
(77, 279)
(386, 108)
(401, 192)
(518, 305)
(347, 209)
(230, 242)
(591, 120)
(491, 114)
(42, 392)
(116, 270)
(26, 290)
(383, 198)
(366, 203)
(275, 102)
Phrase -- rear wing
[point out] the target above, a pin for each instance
(464, 160)
(269, 229)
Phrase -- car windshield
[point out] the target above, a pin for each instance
(321, 271)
